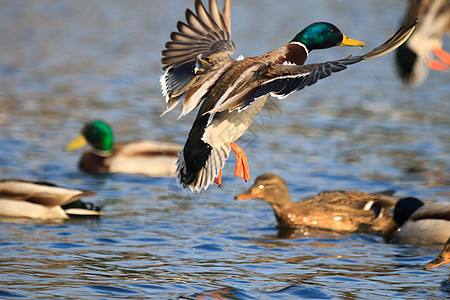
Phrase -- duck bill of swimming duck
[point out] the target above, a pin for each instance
(247, 195)
(439, 261)
(388, 233)
(79, 142)
(443, 258)
(346, 41)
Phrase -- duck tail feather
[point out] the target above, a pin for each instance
(210, 170)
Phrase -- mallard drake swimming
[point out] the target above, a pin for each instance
(414, 57)
(151, 158)
(199, 66)
(419, 223)
(442, 258)
(341, 211)
(43, 200)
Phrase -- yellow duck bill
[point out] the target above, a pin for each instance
(79, 142)
(346, 41)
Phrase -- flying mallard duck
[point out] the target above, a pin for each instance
(199, 66)
(341, 211)
(442, 258)
(151, 158)
(43, 200)
(419, 223)
(414, 57)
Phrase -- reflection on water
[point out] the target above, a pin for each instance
(64, 63)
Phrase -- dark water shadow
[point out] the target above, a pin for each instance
(5, 294)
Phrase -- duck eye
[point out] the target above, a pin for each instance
(332, 30)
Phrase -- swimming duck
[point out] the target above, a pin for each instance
(414, 57)
(341, 211)
(419, 223)
(151, 158)
(441, 259)
(199, 67)
(43, 200)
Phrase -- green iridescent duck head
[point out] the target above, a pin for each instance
(98, 134)
(322, 35)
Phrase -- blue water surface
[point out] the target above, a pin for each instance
(63, 63)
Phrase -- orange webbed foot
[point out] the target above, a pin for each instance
(437, 65)
(444, 64)
(218, 180)
(242, 170)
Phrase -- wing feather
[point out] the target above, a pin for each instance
(281, 80)
(204, 35)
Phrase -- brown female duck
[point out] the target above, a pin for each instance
(341, 211)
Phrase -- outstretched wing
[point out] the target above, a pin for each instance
(280, 80)
(202, 43)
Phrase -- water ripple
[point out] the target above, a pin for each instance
(111, 290)
(63, 63)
